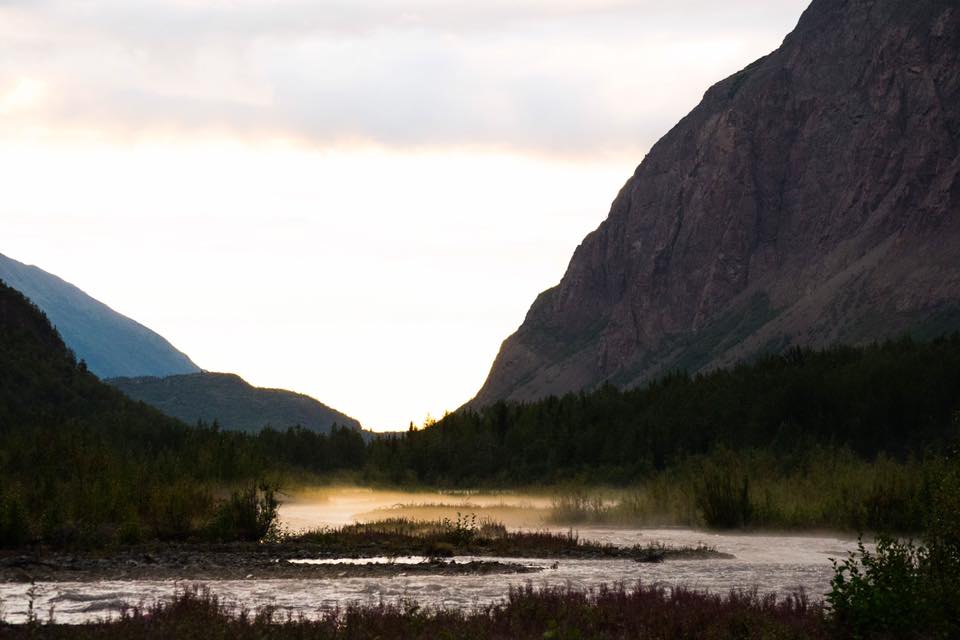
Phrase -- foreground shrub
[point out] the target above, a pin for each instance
(905, 590)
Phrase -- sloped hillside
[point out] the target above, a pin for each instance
(232, 402)
(811, 199)
(110, 343)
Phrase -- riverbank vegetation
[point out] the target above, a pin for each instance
(818, 488)
(901, 590)
(897, 399)
(468, 536)
(847, 438)
(906, 588)
(643, 611)
(82, 465)
(423, 546)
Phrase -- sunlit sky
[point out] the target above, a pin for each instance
(353, 199)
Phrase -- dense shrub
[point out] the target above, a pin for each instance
(724, 501)
(249, 515)
(83, 465)
(905, 589)
(14, 524)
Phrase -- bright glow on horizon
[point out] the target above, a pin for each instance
(380, 283)
(337, 198)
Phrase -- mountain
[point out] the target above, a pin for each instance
(144, 366)
(43, 385)
(232, 402)
(83, 466)
(111, 344)
(810, 199)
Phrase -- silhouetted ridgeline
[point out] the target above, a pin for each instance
(232, 402)
(82, 463)
(110, 343)
(899, 398)
(810, 199)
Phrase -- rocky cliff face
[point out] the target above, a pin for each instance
(811, 198)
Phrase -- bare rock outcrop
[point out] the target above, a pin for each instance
(810, 199)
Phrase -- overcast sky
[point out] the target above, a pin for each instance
(353, 199)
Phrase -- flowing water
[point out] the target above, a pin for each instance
(771, 563)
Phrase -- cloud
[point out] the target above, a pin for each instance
(554, 76)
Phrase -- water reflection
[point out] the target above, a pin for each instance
(771, 563)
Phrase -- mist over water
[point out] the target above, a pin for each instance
(337, 506)
(769, 562)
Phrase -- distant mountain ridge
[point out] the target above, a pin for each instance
(110, 343)
(232, 402)
(145, 366)
(42, 385)
(812, 198)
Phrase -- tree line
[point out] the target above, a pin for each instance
(80, 461)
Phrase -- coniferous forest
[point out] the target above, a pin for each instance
(732, 411)
(849, 438)
(854, 438)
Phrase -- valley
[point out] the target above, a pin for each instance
(736, 415)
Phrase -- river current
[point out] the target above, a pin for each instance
(771, 563)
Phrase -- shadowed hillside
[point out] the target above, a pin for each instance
(82, 464)
(812, 199)
(232, 402)
(111, 344)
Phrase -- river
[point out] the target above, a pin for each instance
(771, 563)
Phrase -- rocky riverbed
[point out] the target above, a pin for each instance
(199, 564)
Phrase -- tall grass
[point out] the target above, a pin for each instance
(556, 612)
(180, 511)
(468, 536)
(823, 488)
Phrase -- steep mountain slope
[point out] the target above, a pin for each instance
(42, 385)
(232, 402)
(110, 343)
(812, 198)
(82, 465)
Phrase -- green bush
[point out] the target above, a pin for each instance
(248, 515)
(722, 495)
(130, 532)
(905, 590)
(55, 527)
(880, 593)
(463, 530)
(177, 511)
(725, 502)
(14, 523)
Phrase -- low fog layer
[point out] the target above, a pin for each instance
(337, 506)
